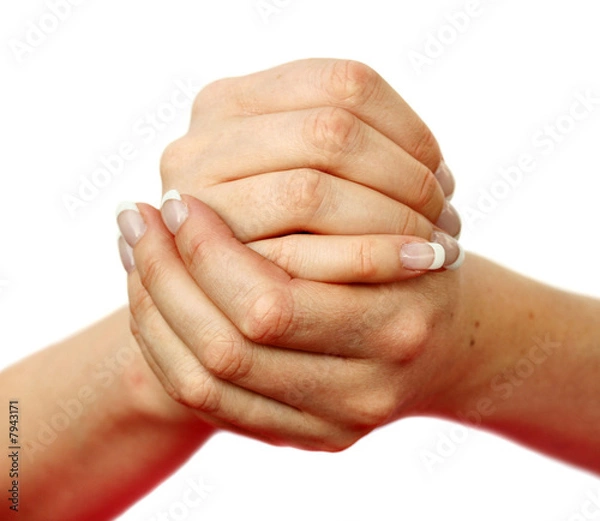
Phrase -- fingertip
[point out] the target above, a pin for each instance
(126, 254)
(446, 180)
(174, 211)
(439, 257)
(459, 261)
(422, 256)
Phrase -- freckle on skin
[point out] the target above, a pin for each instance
(472, 343)
(531, 315)
(477, 323)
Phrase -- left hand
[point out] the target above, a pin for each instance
(288, 361)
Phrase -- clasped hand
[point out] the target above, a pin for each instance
(286, 296)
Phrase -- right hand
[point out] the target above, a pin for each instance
(288, 176)
(261, 147)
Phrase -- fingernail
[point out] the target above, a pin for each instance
(446, 179)
(455, 254)
(422, 256)
(449, 220)
(126, 253)
(173, 210)
(130, 223)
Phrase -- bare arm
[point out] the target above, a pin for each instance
(482, 344)
(531, 358)
(96, 429)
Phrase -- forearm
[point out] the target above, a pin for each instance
(97, 431)
(532, 360)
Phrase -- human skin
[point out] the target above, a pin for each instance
(319, 365)
(431, 353)
(134, 415)
(268, 141)
(129, 415)
(115, 447)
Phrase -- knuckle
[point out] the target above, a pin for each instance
(197, 254)
(339, 441)
(332, 131)
(297, 392)
(214, 92)
(415, 335)
(198, 392)
(427, 191)
(426, 148)
(173, 158)
(304, 192)
(225, 356)
(270, 317)
(172, 392)
(372, 411)
(141, 306)
(350, 83)
(408, 222)
(364, 265)
(284, 253)
(153, 273)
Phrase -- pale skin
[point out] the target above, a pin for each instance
(417, 345)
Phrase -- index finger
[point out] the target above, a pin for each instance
(347, 84)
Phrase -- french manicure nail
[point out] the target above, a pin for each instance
(455, 254)
(422, 256)
(449, 220)
(173, 210)
(130, 223)
(126, 253)
(445, 179)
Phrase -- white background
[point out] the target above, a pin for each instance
(79, 95)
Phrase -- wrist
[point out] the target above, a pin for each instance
(476, 341)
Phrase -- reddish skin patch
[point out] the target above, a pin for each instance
(137, 379)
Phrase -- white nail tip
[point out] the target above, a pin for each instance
(458, 262)
(126, 206)
(440, 256)
(171, 195)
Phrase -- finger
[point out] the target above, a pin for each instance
(352, 259)
(329, 139)
(186, 338)
(264, 303)
(194, 385)
(137, 294)
(149, 357)
(310, 201)
(312, 83)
